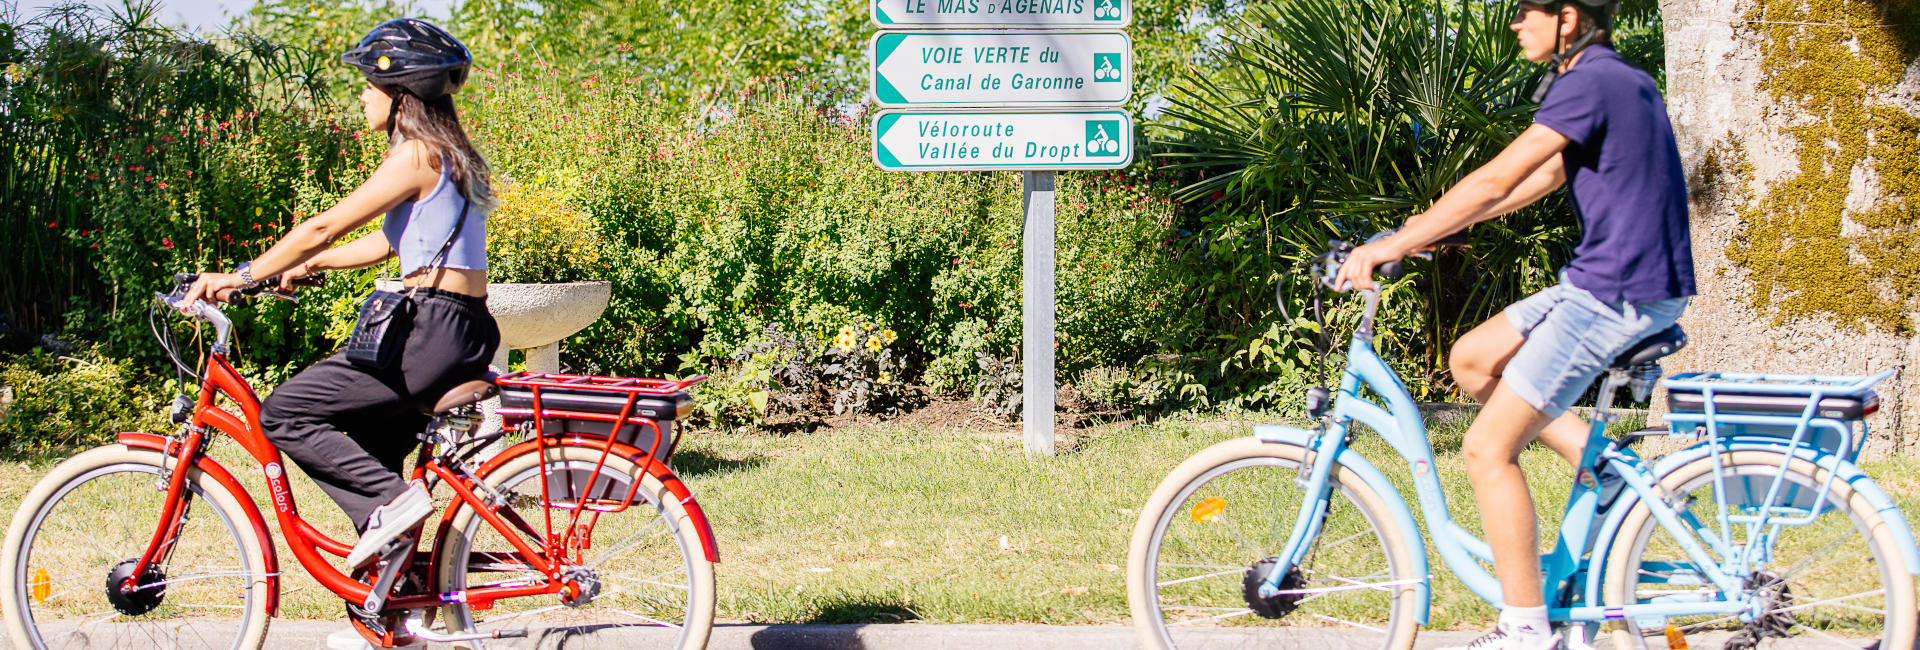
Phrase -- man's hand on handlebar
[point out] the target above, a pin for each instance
(1356, 273)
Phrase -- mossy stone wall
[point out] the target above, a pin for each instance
(1799, 121)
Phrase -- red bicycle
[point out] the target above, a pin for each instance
(576, 531)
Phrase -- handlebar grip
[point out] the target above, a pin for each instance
(1391, 270)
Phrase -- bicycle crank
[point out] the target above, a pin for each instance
(151, 589)
(1277, 605)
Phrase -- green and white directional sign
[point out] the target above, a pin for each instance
(1000, 68)
(1002, 13)
(989, 140)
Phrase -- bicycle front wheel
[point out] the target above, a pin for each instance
(1217, 522)
(78, 533)
(1837, 578)
(647, 582)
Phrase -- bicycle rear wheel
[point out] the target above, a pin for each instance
(83, 526)
(1228, 510)
(653, 581)
(1839, 578)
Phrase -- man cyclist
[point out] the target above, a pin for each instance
(1602, 129)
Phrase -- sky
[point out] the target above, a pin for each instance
(198, 14)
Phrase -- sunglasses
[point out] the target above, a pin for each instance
(1520, 10)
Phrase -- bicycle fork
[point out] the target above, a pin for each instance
(1316, 466)
(172, 514)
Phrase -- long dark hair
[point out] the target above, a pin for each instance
(435, 123)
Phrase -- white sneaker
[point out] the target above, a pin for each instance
(389, 522)
(1513, 637)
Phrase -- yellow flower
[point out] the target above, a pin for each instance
(873, 344)
(845, 342)
(890, 336)
(884, 377)
(846, 331)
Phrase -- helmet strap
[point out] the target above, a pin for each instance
(1560, 57)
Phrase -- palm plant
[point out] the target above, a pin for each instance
(1339, 118)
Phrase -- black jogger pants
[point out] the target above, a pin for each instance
(351, 428)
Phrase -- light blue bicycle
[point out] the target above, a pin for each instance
(1762, 527)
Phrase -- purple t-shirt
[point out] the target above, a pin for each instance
(1628, 186)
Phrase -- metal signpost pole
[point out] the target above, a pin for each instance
(1036, 312)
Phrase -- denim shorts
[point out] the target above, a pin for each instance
(1571, 337)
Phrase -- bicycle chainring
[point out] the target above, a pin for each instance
(589, 582)
(1280, 604)
(142, 599)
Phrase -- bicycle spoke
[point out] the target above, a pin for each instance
(1235, 572)
(1348, 623)
(631, 540)
(1801, 566)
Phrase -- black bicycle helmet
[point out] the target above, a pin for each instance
(413, 55)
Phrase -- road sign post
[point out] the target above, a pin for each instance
(1036, 312)
(1025, 96)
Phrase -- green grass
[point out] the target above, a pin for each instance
(885, 524)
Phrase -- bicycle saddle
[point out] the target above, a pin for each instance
(467, 393)
(1650, 349)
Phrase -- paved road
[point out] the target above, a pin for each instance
(309, 634)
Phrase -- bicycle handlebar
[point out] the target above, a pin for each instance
(1327, 266)
(211, 313)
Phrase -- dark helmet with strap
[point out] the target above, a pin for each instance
(413, 55)
(1600, 13)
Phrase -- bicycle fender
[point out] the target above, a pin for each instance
(1377, 480)
(1843, 469)
(709, 546)
(214, 470)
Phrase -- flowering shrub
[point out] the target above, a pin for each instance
(867, 376)
(534, 235)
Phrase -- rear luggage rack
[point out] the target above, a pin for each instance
(605, 410)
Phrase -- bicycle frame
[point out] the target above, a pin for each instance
(307, 542)
(1574, 566)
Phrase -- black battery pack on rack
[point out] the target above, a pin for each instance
(587, 405)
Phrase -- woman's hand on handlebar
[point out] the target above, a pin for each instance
(214, 288)
(299, 276)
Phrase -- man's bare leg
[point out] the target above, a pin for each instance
(1479, 359)
(1492, 452)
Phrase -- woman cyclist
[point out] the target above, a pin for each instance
(1602, 129)
(350, 426)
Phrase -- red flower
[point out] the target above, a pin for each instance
(167, 242)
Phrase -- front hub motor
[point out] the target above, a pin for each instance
(1279, 604)
(150, 590)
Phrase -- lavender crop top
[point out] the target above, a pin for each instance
(417, 229)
